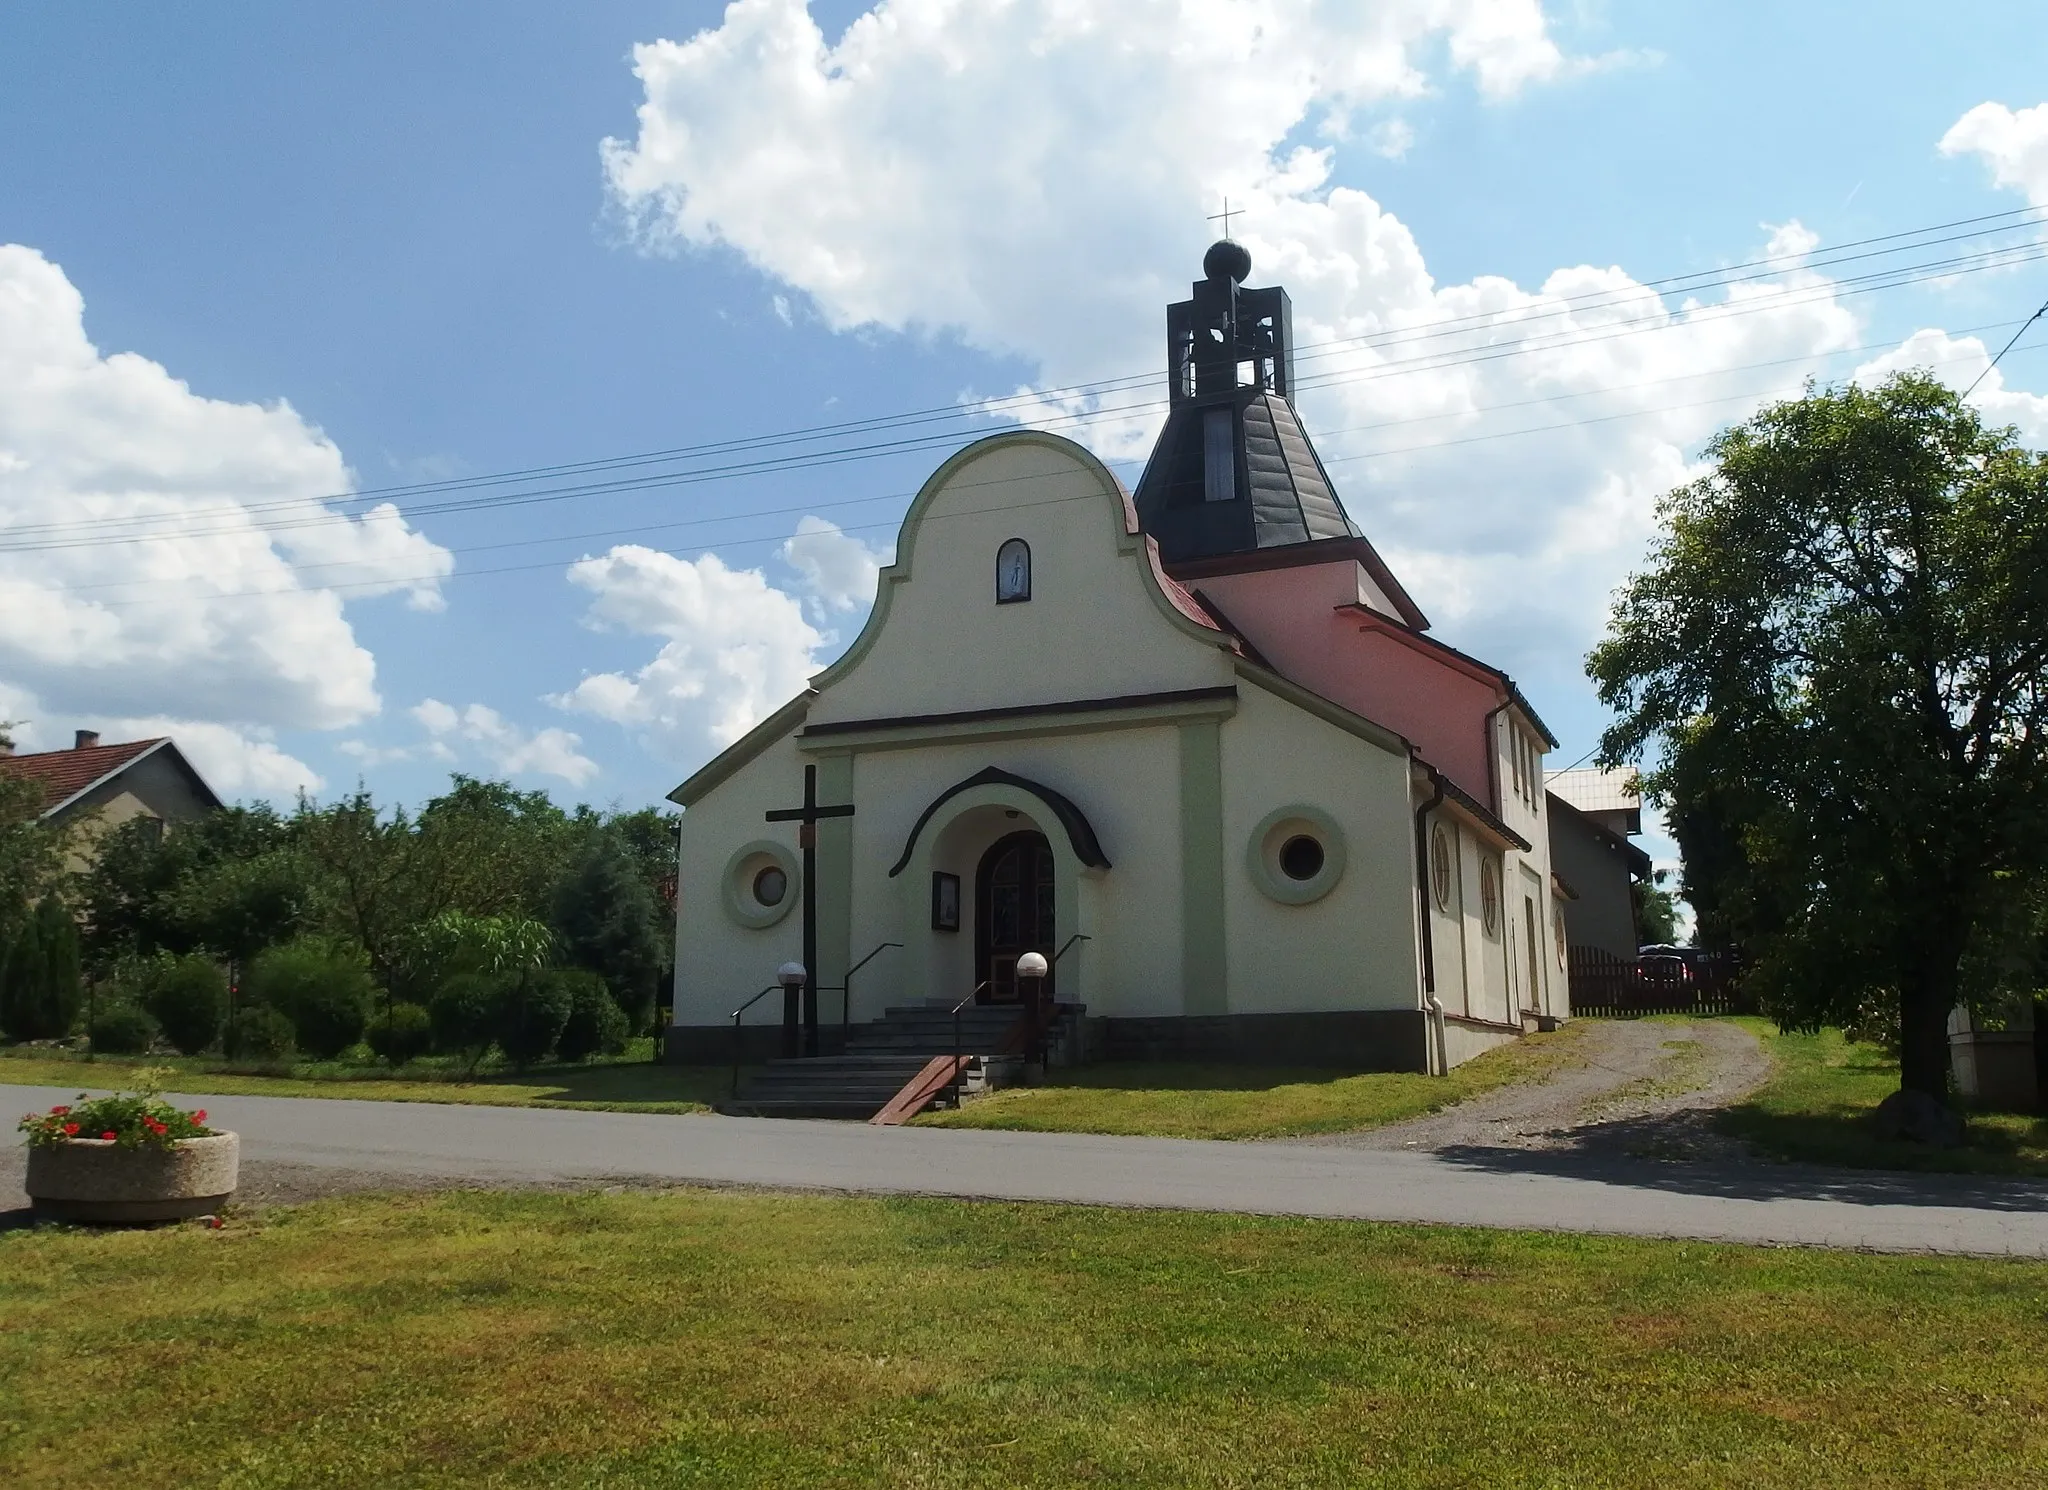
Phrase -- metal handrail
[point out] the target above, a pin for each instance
(956, 1024)
(736, 1032)
(846, 988)
(1041, 1023)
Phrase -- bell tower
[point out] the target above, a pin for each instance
(1233, 471)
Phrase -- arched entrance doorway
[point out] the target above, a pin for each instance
(1013, 912)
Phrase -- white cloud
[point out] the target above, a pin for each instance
(734, 648)
(507, 747)
(838, 570)
(2014, 143)
(225, 617)
(1392, 138)
(1957, 361)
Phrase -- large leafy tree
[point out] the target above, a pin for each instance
(1836, 655)
(230, 884)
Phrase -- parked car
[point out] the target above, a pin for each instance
(1662, 967)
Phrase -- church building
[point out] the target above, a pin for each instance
(1194, 746)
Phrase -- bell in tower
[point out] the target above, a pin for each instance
(1232, 471)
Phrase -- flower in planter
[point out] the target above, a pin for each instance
(132, 1120)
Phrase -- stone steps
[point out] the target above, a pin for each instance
(879, 1060)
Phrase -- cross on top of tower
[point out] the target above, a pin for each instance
(1226, 215)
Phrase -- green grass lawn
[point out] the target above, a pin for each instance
(1817, 1106)
(623, 1086)
(701, 1339)
(1198, 1101)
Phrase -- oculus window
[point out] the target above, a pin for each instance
(1013, 572)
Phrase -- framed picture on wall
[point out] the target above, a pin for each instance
(945, 901)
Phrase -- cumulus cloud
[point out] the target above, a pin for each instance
(2012, 142)
(1504, 444)
(504, 745)
(734, 648)
(170, 557)
(1958, 361)
(837, 569)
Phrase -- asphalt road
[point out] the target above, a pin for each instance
(397, 1143)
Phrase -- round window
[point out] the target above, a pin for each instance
(1301, 857)
(1440, 866)
(1489, 896)
(1557, 936)
(770, 885)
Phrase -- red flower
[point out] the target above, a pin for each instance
(69, 1129)
(199, 1116)
(110, 1133)
(58, 1111)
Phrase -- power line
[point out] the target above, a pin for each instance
(893, 523)
(2010, 220)
(2006, 348)
(1659, 321)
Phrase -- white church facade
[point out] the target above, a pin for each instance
(1192, 746)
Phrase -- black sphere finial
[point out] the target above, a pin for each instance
(1227, 260)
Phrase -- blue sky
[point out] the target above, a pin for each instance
(399, 220)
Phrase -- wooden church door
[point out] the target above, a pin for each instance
(1013, 896)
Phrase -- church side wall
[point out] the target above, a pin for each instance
(720, 963)
(1355, 948)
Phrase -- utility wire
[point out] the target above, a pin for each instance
(1661, 320)
(1520, 317)
(2006, 348)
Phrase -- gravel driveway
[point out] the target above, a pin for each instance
(1647, 1089)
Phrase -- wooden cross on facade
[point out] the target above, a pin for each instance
(807, 816)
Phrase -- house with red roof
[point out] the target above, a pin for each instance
(93, 787)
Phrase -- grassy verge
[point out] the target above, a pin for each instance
(624, 1086)
(1817, 1106)
(1194, 1101)
(724, 1339)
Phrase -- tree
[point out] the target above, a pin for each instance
(1656, 911)
(1837, 652)
(607, 921)
(39, 976)
(31, 850)
(230, 883)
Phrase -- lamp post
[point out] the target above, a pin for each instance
(792, 976)
(1031, 970)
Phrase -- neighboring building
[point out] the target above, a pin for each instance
(91, 787)
(1201, 729)
(1593, 814)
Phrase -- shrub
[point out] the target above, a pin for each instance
(259, 1034)
(189, 998)
(597, 1025)
(322, 988)
(464, 1014)
(532, 1012)
(401, 1033)
(122, 1029)
(39, 982)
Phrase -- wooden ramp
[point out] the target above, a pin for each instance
(939, 1073)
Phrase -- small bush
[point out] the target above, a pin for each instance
(403, 1033)
(323, 989)
(533, 1011)
(464, 1014)
(259, 1034)
(122, 1029)
(188, 997)
(39, 982)
(597, 1025)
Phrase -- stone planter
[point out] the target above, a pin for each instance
(94, 1179)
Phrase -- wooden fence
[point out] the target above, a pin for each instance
(1619, 988)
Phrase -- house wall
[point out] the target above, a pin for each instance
(152, 787)
(1603, 916)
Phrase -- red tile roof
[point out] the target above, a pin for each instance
(63, 774)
